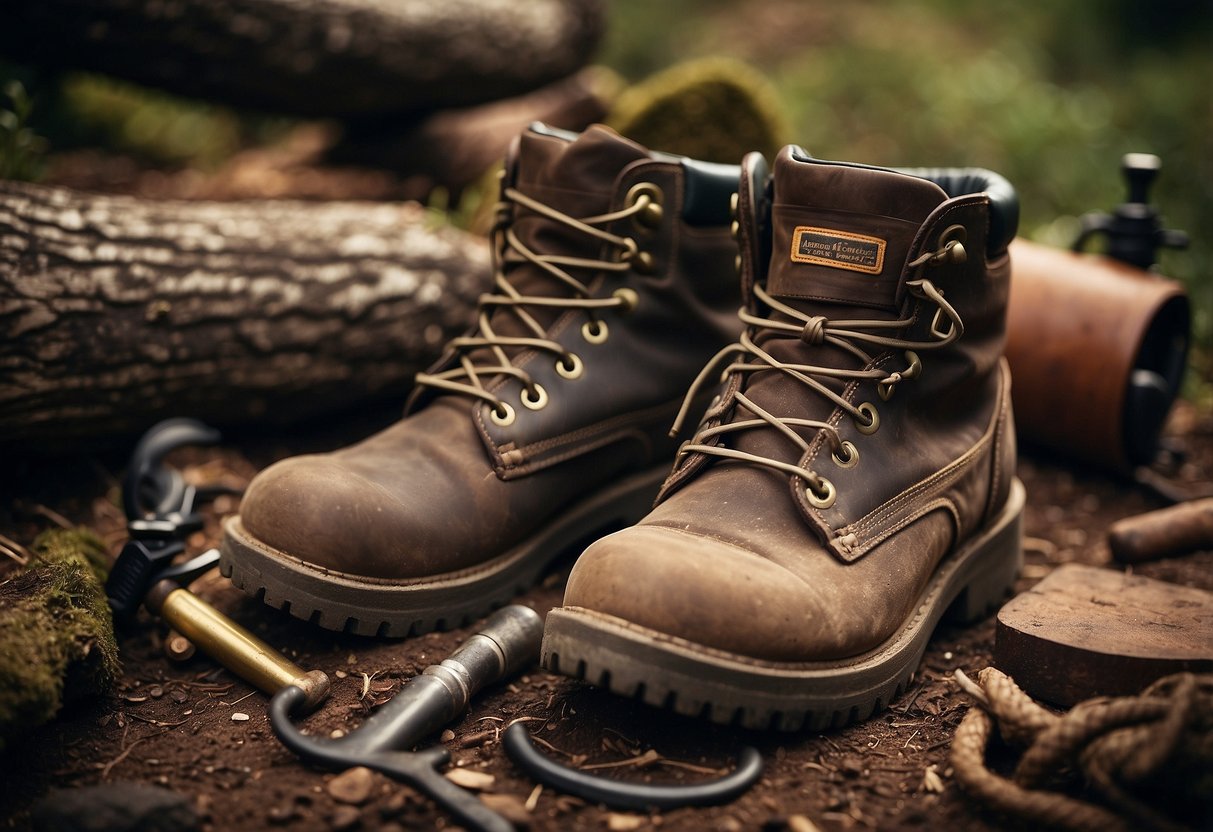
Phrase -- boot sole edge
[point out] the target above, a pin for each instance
(412, 606)
(694, 680)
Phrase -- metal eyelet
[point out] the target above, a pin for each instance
(569, 366)
(643, 263)
(873, 424)
(650, 215)
(502, 414)
(595, 332)
(850, 458)
(915, 368)
(535, 399)
(956, 232)
(826, 498)
(629, 297)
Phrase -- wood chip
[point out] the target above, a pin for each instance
(470, 778)
(352, 785)
(618, 822)
(931, 781)
(800, 823)
(240, 717)
(508, 806)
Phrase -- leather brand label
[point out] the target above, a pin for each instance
(838, 249)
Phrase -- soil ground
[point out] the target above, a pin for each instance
(173, 723)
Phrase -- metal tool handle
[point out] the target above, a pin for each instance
(231, 645)
(508, 642)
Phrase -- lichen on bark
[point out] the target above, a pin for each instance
(56, 633)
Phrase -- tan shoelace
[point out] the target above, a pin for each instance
(847, 335)
(507, 247)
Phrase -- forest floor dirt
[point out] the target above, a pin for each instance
(173, 724)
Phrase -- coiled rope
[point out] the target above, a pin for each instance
(1135, 754)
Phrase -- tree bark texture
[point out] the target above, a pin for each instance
(116, 312)
(330, 58)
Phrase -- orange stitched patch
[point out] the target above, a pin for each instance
(838, 249)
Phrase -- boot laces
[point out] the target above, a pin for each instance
(508, 249)
(748, 358)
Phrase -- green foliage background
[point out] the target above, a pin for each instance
(1050, 94)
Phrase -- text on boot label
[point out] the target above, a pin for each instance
(838, 249)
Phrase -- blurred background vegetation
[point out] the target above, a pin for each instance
(1050, 94)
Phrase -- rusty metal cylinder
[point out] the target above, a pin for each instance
(1097, 350)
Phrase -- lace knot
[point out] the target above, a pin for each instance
(814, 331)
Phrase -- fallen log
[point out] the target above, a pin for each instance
(118, 312)
(330, 58)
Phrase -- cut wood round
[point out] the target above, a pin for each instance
(314, 57)
(116, 312)
(1085, 631)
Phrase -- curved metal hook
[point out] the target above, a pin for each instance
(620, 795)
(149, 487)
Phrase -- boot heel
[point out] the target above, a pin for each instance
(1000, 552)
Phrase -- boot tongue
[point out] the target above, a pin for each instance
(842, 234)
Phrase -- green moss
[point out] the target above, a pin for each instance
(56, 633)
(713, 109)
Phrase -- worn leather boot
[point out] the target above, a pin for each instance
(854, 479)
(543, 427)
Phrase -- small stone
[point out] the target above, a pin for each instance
(345, 817)
(394, 805)
(240, 717)
(336, 734)
(155, 691)
(352, 785)
(618, 822)
(471, 779)
(178, 695)
(446, 736)
(800, 823)
(729, 824)
(509, 806)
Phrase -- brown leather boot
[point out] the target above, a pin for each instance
(544, 426)
(854, 479)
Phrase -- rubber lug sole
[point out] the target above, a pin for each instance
(693, 680)
(348, 603)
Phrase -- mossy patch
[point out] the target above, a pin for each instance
(56, 632)
(714, 109)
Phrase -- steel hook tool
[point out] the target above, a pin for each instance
(635, 796)
(509, 641)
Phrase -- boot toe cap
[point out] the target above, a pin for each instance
(709, 592)
(319, 511)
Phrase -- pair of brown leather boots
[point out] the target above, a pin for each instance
(851, 480)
